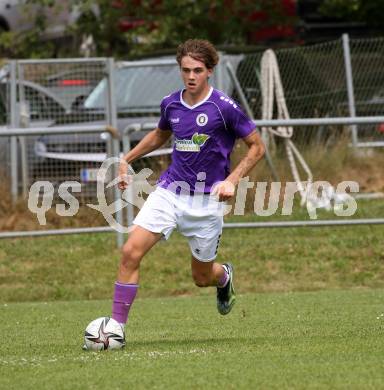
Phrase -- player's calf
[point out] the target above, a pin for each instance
(131, 256)
(206, 273)
(203, 279)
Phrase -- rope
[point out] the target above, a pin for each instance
(271, 88)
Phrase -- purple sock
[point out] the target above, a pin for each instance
(122, 301)
(224, 279)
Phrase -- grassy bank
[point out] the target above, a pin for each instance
(293, 259)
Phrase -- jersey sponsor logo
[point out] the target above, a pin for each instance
(227, 100)
(191, 145)
(175, 120)
(202, 119)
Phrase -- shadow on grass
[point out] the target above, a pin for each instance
(196, 343)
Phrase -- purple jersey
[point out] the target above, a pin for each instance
(204, 136)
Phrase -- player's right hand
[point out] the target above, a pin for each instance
(125, 178)
(223, 190)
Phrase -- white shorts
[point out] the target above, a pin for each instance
(198, 217)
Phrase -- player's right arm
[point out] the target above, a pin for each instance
(152, 141)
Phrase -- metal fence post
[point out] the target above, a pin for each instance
(112, 120)
(13, 124)
(21, 122)
(219, 74)
(349, 79)
(126, 149)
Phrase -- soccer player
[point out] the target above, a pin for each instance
(190, 194)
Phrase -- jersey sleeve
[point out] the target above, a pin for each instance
(239, 123)
(163, 121)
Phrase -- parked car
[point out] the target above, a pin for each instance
(37, 107)
(73, 86)
(40, 103)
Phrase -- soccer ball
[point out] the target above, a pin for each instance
(104, 333)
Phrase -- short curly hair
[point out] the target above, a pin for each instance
(200, 50)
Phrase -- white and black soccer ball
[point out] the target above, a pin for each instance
(104, 333)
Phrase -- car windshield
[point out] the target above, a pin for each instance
(137, 88)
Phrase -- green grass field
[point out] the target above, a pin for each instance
(298, 340)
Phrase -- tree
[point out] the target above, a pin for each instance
(158, 24)
(370, 12)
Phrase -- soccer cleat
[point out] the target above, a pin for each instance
(226, 295)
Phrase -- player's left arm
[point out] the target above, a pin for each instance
(256, 149)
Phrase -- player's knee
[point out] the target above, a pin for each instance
(202, 279)
(130, 256)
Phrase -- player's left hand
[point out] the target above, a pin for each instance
(224, 190)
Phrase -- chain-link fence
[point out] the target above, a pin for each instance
(315, 83)
(309, 87)
(367, 57)
(50, 93)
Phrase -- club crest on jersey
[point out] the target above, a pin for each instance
(191, 145)
(202, 119)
